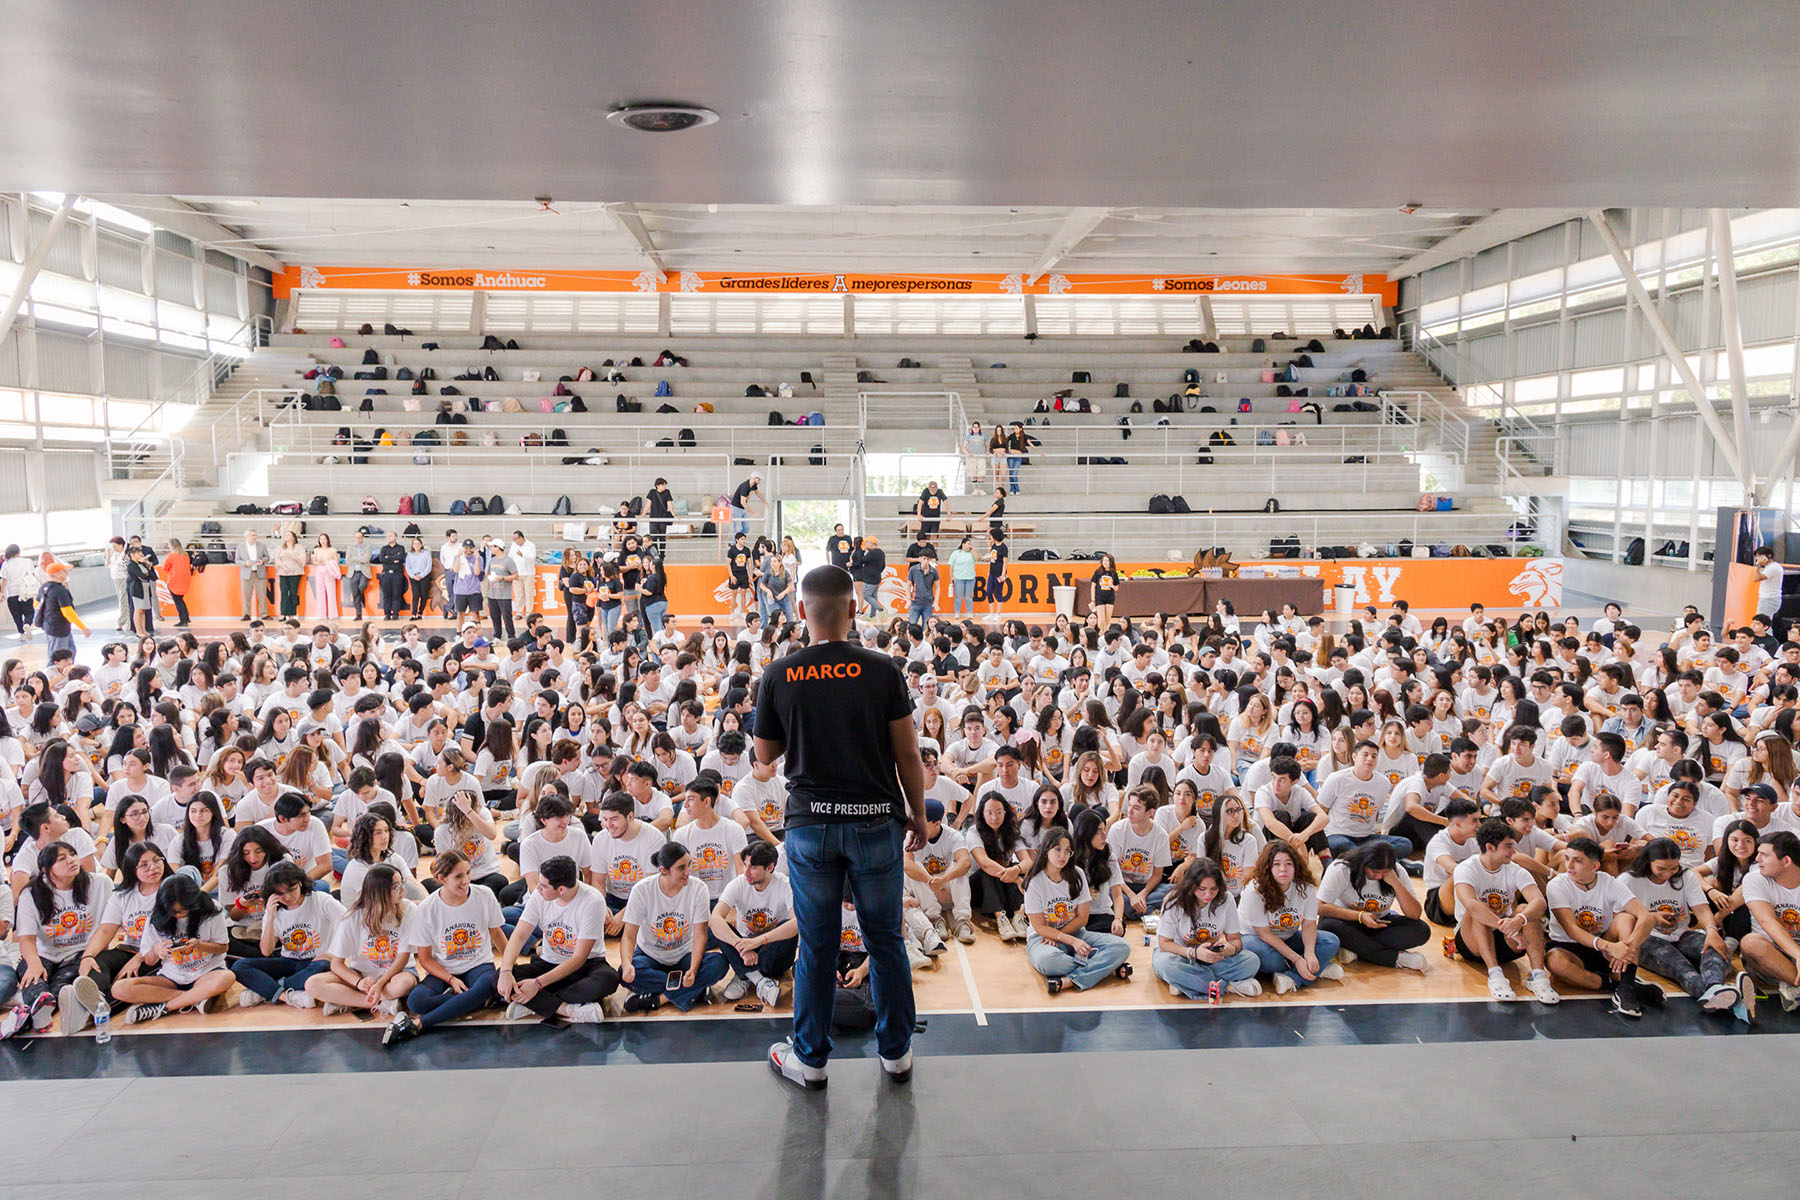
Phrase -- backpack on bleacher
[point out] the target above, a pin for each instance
(369, 505)
(1180, 504)
(563, 507)
(1256, 346)
(663, 388)
(1265, 437)
(1190, 376)
(421, 506)
(496, 506)
(370, 358)
(475, 506)
(1161, 504)
(459, 508)
(1081, 377)
(319, 507)
(754, 390)
(815, 418)
(776, 418)
(685, 438)
(817, 456)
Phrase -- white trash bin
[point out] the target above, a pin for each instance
(1064, 598)
(1343, 599)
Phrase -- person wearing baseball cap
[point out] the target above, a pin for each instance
(56, 607)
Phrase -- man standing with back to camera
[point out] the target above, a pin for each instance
(856, 804)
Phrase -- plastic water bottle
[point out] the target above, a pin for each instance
(103, 1025)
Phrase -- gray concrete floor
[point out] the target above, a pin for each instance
(1678, 1116)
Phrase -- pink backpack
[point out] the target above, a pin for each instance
(545, 404)
(337, 343)
(1293, 406)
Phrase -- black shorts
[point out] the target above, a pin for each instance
(1104, 597)
(1434, 912)
(740, 583)
(1503, 953)
(1590, 958)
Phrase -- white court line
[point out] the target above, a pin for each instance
(969, 982)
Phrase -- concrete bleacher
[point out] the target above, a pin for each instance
(1344, 478)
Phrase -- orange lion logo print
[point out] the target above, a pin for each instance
(1362, 808)
(1587, 920)
(1135, 865)
(458, 941)
(560, 939)
(1790, 920)
(624, 871)
(758, 921)
(298, 942)
(1060, 912)
(1284, 921)
(670, 930)
(381, 949)
(1497, 903)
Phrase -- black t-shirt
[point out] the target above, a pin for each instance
(742, 493)
(1105, 581)
(838, 550)
(996, 557)
(874, 562)
(52, 598)
(931, 503)
(740, 561)
(832, 703)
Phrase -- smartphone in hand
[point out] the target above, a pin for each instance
(673, 983)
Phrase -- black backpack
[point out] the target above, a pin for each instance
(319, 507)
(1180, 504)
(490, 342)
(476, 507)
(755, 389)
(1081, 377)
(1190, 376)
(370, 358)
(1256, 346)
(1161, 504)
(403, 373)
(562, 508)
(419, 388)
(490, 375)
(1122, 391)
(1271, 505)
(685, 438)
(558, 437)
(776, 418)
(495, 506)
(817, 457)
(1634, 552)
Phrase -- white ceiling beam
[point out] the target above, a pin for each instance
(1074, 230)
(628, 217)
(166, 212)
(1496, 229)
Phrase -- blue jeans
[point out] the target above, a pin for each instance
(784, 606)
(269, 977)
(1270, 961)
(870, 597)
(821, 860)
(434, 1003)
(1191, 978)
(651, 978)
(919, 614)
(54, 643)
(1343, 843)
(962, 597)
(773, 959)
(509, 918)
(740, 521)
(609, 619)
(9, 979)
(1053, 960)
(1012, 472)
(653, 615)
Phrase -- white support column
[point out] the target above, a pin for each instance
(34, 262)
(1732, 325)
(1209, 326)
(1634, 287)
(849, 314)
(478, 313)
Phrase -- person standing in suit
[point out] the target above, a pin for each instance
(252, 559)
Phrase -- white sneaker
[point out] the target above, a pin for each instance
(784, 1060)
(768, 991)
(332, 1010)
(1285, 984)
(517, 1012)
(586, 1014)
(933, 944)
(296, 998)
(1410, 960)
(615, 1004)
(940, 927)
(1345, 956)
(1244, 987)
(69, 1010)
(899, 1069)
(1790, 996)
(1498, 988)
(735, 989)
(1539, 983)
(388, 1008)
(916, 958)
(250, 999)
(1004, 924)
(1331, 970)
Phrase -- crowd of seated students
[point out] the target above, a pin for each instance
(425, 826)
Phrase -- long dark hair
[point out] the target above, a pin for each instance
(1040, 863)
(190, 842)
(181, 891)
(42, 894)
(1184, 894)
(1371, 856)
(237, 871)
(51, 774)
(999, 842)
(1730, 873)
(128, 864)
(1662, 847)
(1095, 863)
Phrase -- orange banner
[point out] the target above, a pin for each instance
(699, 590)
(849, 282)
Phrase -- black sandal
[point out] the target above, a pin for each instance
(1123, 971)
(1054, 983)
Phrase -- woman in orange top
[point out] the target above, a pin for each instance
(178, 573)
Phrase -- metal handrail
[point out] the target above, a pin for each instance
(172, 478)
(952, 402)
(254, 407)
(1427, 413)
